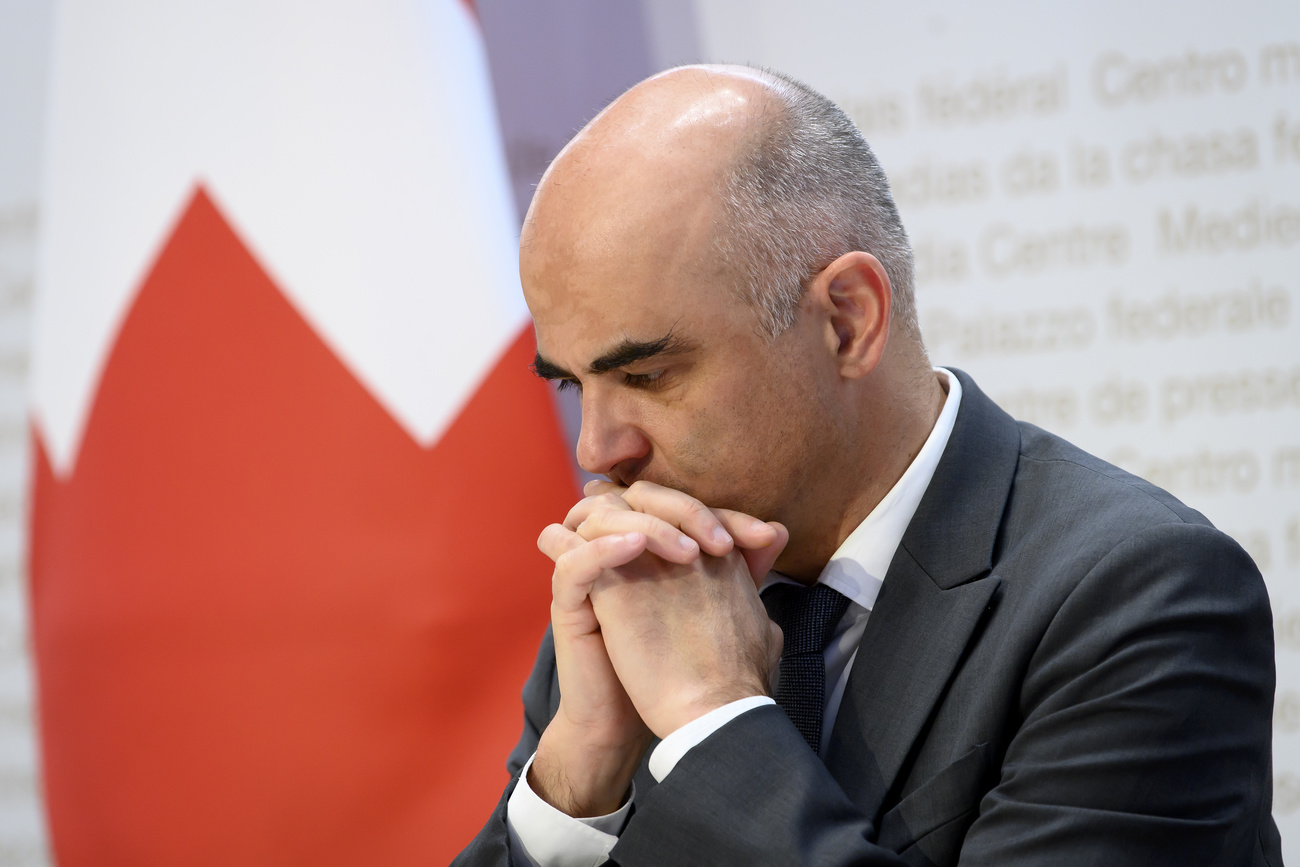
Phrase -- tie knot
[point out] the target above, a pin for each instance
(806, 615)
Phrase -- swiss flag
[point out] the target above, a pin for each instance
(290, 462)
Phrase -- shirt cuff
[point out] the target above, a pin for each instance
(671, 749)
(543, 836)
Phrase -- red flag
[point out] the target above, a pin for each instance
(284, 585)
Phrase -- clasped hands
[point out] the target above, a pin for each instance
(657, 621)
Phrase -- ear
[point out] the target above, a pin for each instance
(855, 292)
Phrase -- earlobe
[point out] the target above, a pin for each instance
(858, 291)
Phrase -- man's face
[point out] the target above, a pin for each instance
(678, 386)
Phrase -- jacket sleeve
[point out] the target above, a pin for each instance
(668, 827)
(750, 793)
(491, 848)
(1146, 717)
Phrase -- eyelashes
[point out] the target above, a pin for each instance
(647, 381)
(641, 381)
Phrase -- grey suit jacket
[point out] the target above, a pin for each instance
(1065, 666)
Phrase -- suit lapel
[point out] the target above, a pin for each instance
(898, 675)
(934, 596)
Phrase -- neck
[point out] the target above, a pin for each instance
(893, 425)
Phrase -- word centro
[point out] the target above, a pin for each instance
(1118, 79)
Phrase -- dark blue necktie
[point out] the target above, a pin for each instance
(807, 617)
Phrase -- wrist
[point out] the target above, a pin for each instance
(691, 708)
(579, 778)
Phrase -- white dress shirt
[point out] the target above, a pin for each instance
(543, 836)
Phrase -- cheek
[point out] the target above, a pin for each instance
(691, 446)
(745, 453)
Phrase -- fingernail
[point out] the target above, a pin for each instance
(721, 535)
(632, 538)
(687, 542)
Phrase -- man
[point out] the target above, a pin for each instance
(1012, 652)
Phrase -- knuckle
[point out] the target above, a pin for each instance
(650, 525)
(600, 517)
(598, 523)
(696, 509)
(576, 561)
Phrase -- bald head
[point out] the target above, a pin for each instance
(755, 178)
(692, 107)
(639, 184)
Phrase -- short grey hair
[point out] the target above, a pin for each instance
(804, 189)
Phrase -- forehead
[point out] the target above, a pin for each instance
(620, 243)
(595, 276)
(586, 313)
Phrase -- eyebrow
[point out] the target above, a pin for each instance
(546, 370)
(625, 353)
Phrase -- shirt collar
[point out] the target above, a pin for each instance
(858, 567)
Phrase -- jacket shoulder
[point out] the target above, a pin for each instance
(1081, 506)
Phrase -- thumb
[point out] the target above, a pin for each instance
(761, 560)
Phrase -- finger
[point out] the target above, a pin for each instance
(602, 486)
(682, 511)
(663, 538)
(556, 539)
(578, 568)
(761, 560)
(587, 505)
(747, 531)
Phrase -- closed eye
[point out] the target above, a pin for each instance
(566, 384)
(648, 381)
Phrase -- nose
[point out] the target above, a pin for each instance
(608, 436)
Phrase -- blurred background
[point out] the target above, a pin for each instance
(262, 360)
